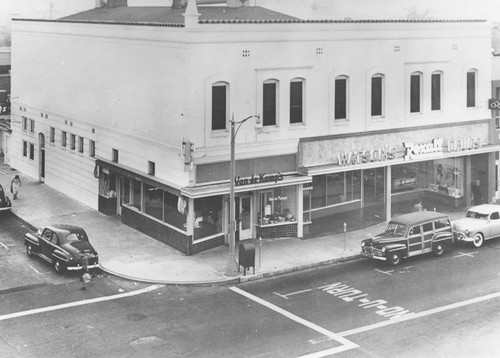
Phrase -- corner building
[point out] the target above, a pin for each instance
(127, 108)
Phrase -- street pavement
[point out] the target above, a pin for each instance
(128, 253)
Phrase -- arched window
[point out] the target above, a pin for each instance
(341, 99)
(270, 90)
(471, 87)
(436, 90)
(416, 92)
(377, 95)
(220, 95)
(297, 100)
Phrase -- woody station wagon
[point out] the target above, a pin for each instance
(410, 235)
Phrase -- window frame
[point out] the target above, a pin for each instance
(296, 109)
(217, 124)
(266, 104)
(381, 96)
(414, 100)
(341, 101)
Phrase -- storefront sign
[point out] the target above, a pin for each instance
(463, 144)
(367, 156)
(256, 179)
(494, 104)
(414, 151)
(278, 198)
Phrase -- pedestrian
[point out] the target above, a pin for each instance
(85, 273)
(477, 197)
(418, 206)
(15, 184)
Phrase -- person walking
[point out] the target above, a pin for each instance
(477, 197)
(15, 184)
(85, 275)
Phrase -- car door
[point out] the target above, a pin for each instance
(427, 236)
(49, 242)
(494, 224)
(414, 240)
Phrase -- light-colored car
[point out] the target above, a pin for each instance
(481, 223)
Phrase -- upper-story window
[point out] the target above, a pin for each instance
(415, 92)
(25, 123)
(80, 144)
(341, 83)
(269, 102)
(377, 95)
(91, 148)
(114, 155)
(436, 86)
(471, 88)
(52, 135)
(63, 138)
(32, 125)
(72, 141)
(297, 101)
(220, 93)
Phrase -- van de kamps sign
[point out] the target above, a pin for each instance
(258, 179)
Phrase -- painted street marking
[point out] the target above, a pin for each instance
(385, 272)
(420, 314)
(345, 344)
(291, 294)
(462, 254)
(6, 247)
(350, 294)
(79, 303)
(34, 269)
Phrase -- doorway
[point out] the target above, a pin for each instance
(243, 215)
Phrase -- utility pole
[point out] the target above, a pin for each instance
(231, 267)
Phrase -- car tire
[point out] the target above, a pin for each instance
(439, 249)
(394, 258)
(58, 266)
(29, 250)
(478, 240)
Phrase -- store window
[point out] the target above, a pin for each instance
(277, 206)
(337, 188)
(153, 201)
(175, 210)
(107, 184)
(208, 216)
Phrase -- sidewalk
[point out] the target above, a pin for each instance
(128, 253)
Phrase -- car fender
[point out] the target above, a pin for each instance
(61, 255)
(395, 247)
(443, 236)
(31, 239)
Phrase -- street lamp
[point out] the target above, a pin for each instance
(231, 267)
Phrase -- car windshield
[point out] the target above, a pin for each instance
(396, 229)
(76, 236)
(476, 215)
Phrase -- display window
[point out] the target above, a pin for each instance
(207, 216)
(277, 206)
(107, 185)
(336, 188)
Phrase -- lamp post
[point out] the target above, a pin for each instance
(231, 263)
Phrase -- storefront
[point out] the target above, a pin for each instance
(268, 202)
(438, 166)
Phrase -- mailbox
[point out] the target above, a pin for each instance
(246, 257)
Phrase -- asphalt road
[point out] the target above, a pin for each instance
(428, 306)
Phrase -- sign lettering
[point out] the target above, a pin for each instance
(257, 179)
(494, 104)
(414, 151)
(367, 156)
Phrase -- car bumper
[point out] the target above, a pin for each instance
(375, 255)
(79, 267)
(462, 237)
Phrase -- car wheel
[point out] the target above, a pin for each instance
(439, 249)
(394, 258)
(478, 240)
(29, 250)
(58, 266)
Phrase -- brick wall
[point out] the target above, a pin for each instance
(269, 232)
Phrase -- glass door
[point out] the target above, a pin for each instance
(244, 217)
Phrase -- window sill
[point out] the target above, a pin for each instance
(341, 122)
(220, 133)
(297, 126)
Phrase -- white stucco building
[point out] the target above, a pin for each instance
(128, 108)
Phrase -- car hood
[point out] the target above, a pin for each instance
(384, 238)
(79, 246)
(469, 224)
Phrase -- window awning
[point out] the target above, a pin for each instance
(138, 175)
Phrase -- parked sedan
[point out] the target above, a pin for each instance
(5, 202)
(481, 223)
(66, 247)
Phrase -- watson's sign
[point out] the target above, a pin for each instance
(256, 179)
(366, 156)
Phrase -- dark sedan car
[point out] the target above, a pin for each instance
(5, 202)
(66, 247)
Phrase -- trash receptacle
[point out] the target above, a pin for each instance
(246, 257)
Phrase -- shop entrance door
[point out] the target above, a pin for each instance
(243, 215)
(374, 186)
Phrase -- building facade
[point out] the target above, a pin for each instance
(128, 110)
